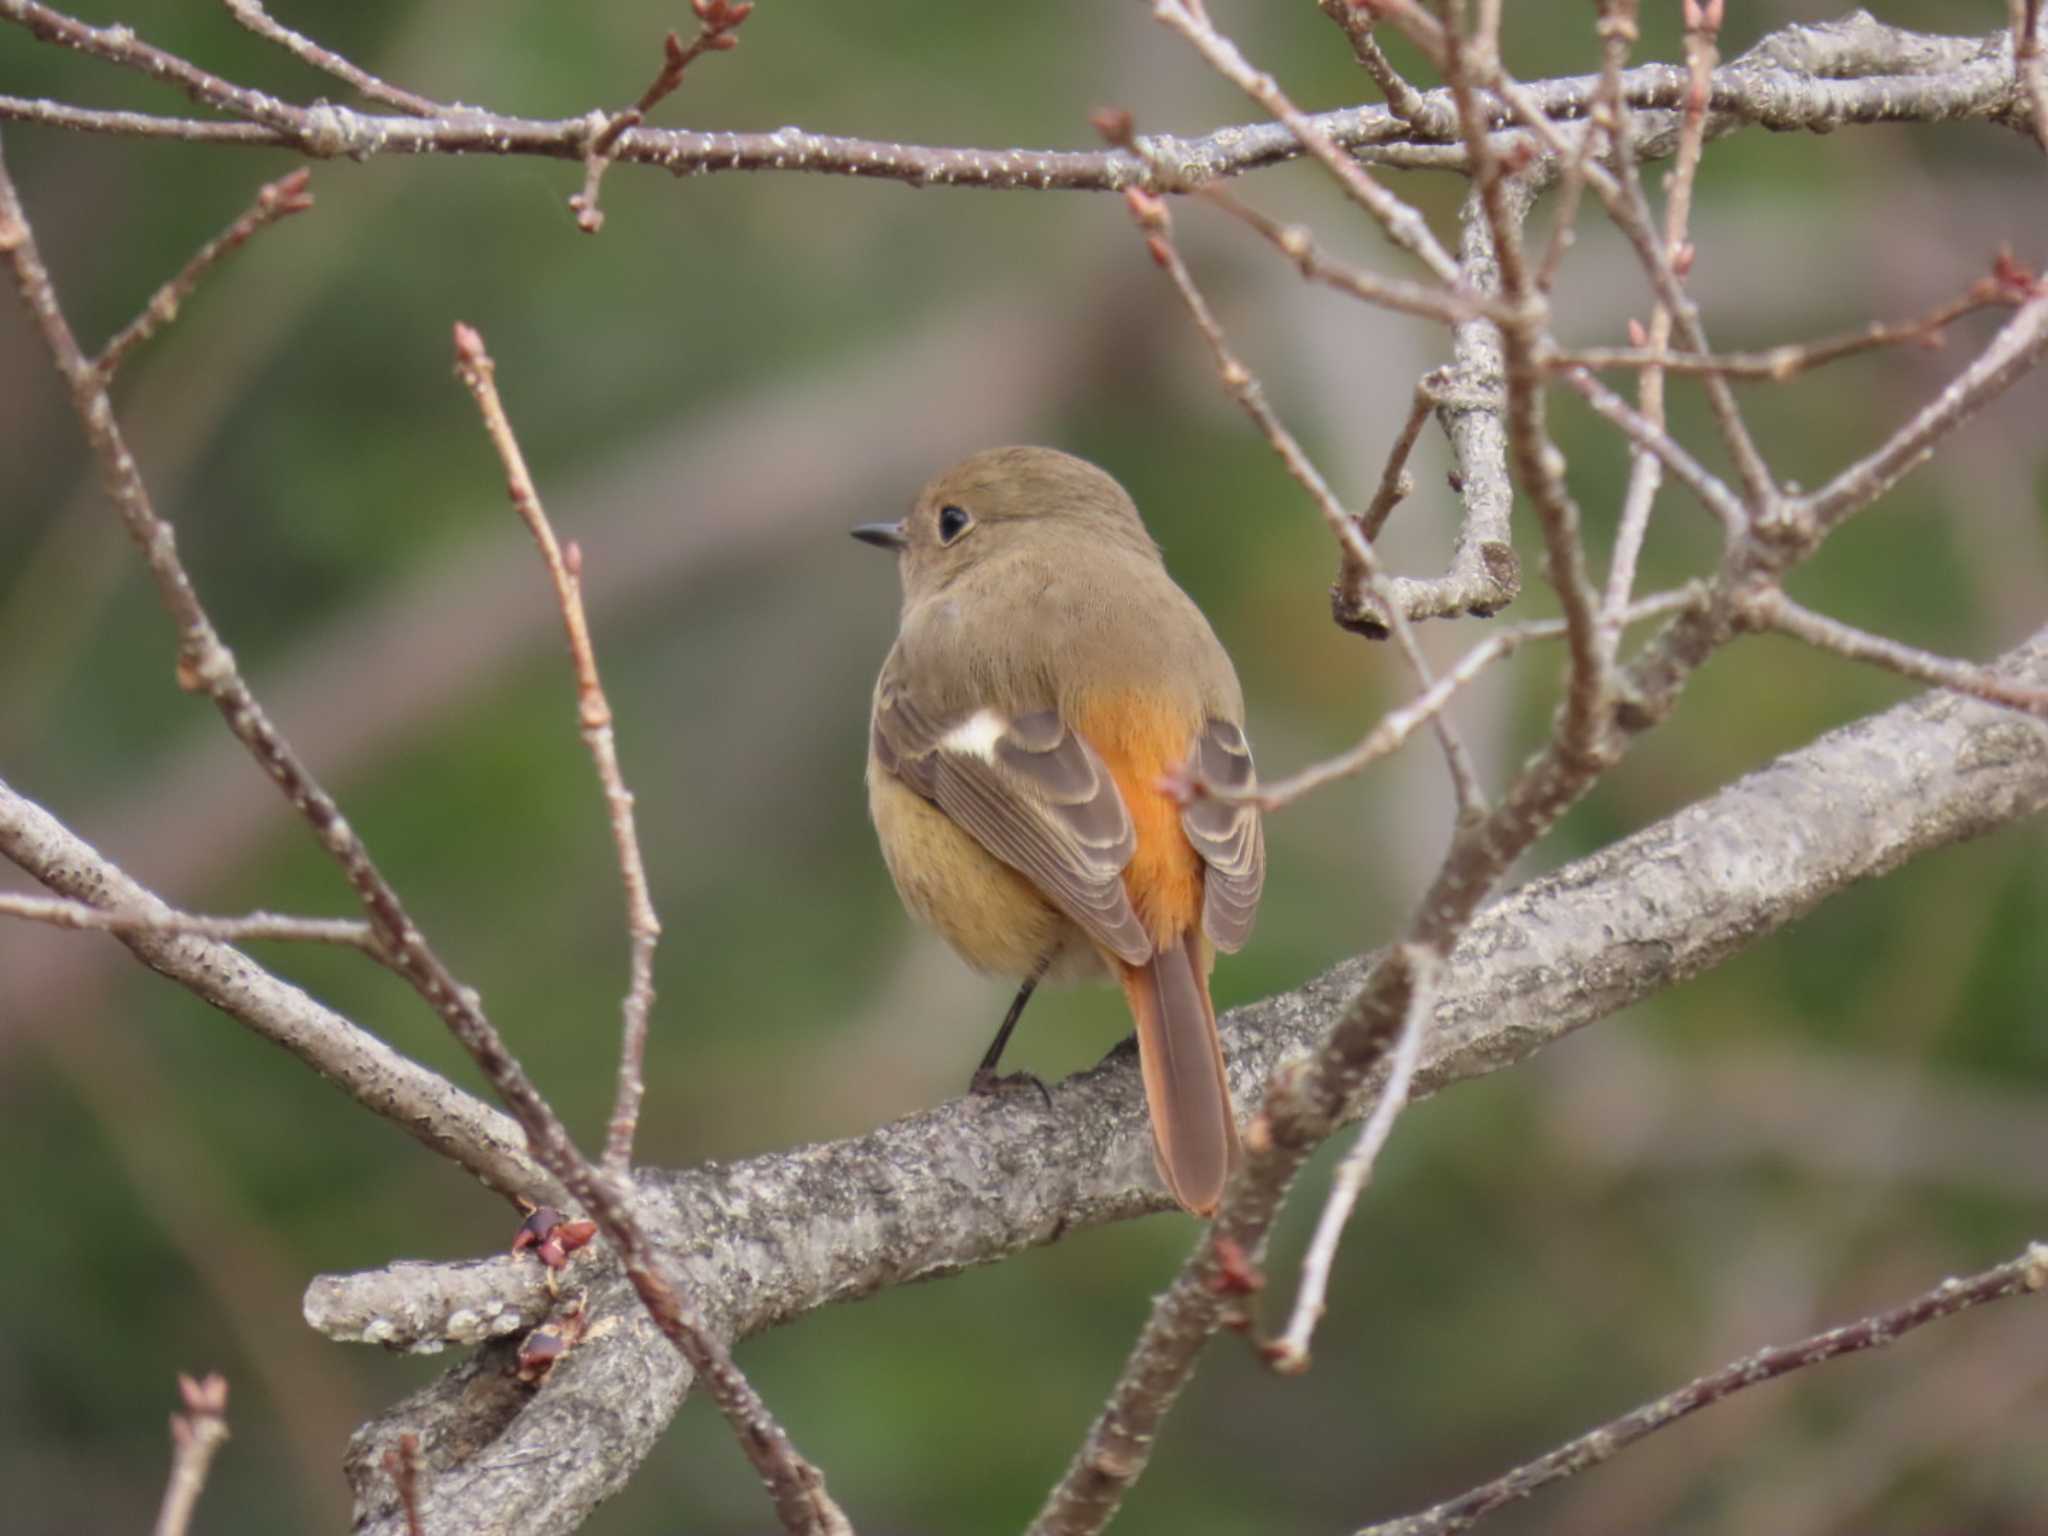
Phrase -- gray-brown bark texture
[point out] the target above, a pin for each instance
(763, 1241)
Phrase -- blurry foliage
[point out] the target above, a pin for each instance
(1502, 1287)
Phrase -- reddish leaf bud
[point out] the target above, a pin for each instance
(1114, 124)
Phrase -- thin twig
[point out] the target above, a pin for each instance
(2014, 351)
(1288, 1354)
(1503, 197)
(278, 199)
(1403, 100)
(1404, 226)
(2022, 1276)
(1777, 364)
(424, 1104)
(119, 45)
(1396, 726)
(197, 1435)
(2027, 48)
(1484, 574)
(1618, 36)
(59, 913)
(1396, 484)
(1970, 83)
(718, 24)
(1770, 608)
(1485, 32)
(1298, 244)
(1152, 216)
(251, 14)
(1491, 169)
(1299, 1111)
(1539, 468)
(1646, 471)
(478, 373)
(1628, 206)
(1713, 494)
(795, 1486)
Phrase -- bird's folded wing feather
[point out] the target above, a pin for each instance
(1032, 793)
(1227, 834)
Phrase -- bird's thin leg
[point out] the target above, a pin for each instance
(986, 1080)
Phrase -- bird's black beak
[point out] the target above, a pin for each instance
(882, 535)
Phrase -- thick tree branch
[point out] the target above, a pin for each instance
(856, 1216)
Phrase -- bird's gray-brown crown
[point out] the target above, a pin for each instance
(1004, 498)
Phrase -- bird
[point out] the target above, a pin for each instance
(1058, 772)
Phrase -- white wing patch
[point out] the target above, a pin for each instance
(977, 735)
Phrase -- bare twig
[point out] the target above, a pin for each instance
(1404, 226)
(1777, 364)
(1403, 100)
(718, 24)
(1716, 497)
(1618, 36)
(1289, 1353)
(1298, 1112)
(795, 1486)
(277, 200)
(1485, 33)
(1645, 468)
(59, 913)
(1627, 206)
(251, 14)
(1782, 83)
(1491, 167)
(1770, 608)
(1484, 574)
(1152, 216)
(197, 1435)
(1298, 244)
(2014, 351)
(1494, 212)
(2022, 1276)
(1396, 484)
(2027, 48)
(119, 45)
(1795, 528)
(1666, 261)
(1539, 468)
(478, 374)
(1396, 726)
(472, 1135)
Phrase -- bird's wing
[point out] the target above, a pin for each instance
(1227, 834)
(1032, 793)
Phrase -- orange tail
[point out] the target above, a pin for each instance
(1194, 1135)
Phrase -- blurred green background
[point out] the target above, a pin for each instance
(710, 392)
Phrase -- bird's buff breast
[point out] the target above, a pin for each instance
(990, 914)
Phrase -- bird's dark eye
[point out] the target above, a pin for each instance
(953, 521)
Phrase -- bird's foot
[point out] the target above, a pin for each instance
(987, 1083)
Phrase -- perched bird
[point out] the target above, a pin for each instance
(1046, 731)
